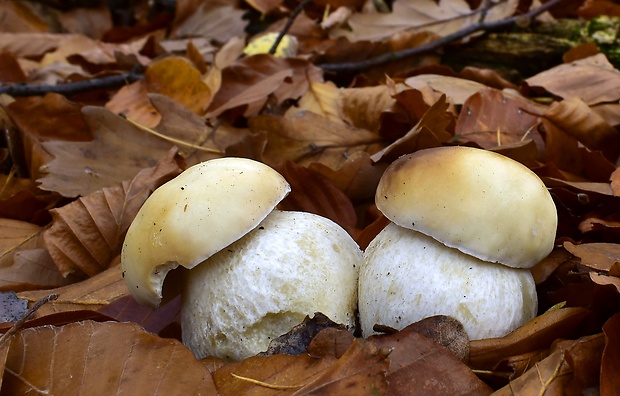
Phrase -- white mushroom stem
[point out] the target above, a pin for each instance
(407, 276)
(292, 265)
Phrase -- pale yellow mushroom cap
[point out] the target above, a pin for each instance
(204, 209)
(474, 200)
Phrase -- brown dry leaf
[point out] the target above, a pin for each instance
(615, 182)
(32, 45)
(174, 77)
(492, 118)
(443, 18)
(89, 358)
(88, 233)
(577, 119)
(311, 192)
(361, 370)
(91, 294)
(127, 309)
(218, 22)
(32, 269)
(118, 152)
(18, 17)
(420, 366)
(252, 80)
(430, 131)
(610, 365)
(322, 99)
(538, 333)
(92, 21)
(593, 80)
(568, 368)
(16, 235)
(604, 279)
(362, 107)
(597, 256)
(307, 138)
(358, 176)
(456, 89)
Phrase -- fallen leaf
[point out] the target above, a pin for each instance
(538, 333)
(429, 132)
(92, 293)
(32, 269)
(597, 256)
(456, 89)
(251, 80)
(361, 370)
(443, 18)
(89, 357)
(576, 119)
(307, 138)
(562, 371)
(118, 152)
(313, 193)
(219, 22)
(88, 233)
(610, 363)
(593, 80)
(492, 119)
(14, 236)
(420, 366)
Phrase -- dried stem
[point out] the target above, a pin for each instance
(18, 325)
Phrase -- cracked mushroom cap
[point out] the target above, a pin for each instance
(185, 221)
(480, 202)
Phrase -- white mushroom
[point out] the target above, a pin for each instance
(292, 265)
(480, 208)
(254, 272)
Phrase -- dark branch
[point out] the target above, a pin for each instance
(71, 88)
(397, 55)
(288, 25)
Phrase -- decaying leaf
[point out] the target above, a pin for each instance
(90, 358)
(88, 233)
(118, 152)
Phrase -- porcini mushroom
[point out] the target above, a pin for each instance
(273, 268)
(467, 224)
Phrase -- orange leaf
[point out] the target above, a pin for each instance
(88, 233)
(90, 358)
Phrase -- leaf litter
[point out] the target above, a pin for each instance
(86, 161)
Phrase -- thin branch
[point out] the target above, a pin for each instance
(71, 88)
(18, 325)
(287, 26)
(397, 55)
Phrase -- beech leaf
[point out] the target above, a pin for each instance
(90, 358)
(88, 233)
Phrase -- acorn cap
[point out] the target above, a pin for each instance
(480, 202)
(185, 221)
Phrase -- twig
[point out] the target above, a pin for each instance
(18, 325)
(71, 88)
(397, 55)
(288, 25)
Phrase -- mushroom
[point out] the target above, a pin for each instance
(273, 268)
(466, 226)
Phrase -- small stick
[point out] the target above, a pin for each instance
(18, 325)
(288, 25)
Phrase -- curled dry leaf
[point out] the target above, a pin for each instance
(430, 131)
(610, 365)
(92, 293)
(90, 358)
(456, 89)
(538, 333)
(419, 365)
(572, 366)
(88, 233)
(593, 80)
